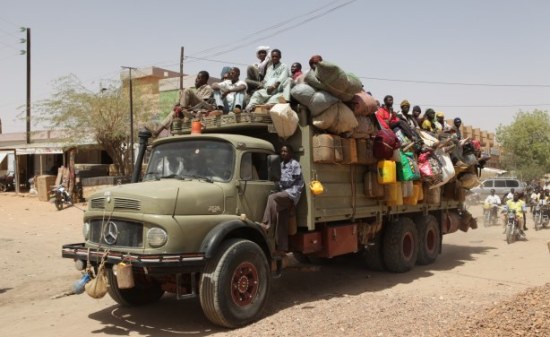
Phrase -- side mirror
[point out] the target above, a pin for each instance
(274, 167)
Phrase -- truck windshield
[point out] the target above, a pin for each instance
(210, 160)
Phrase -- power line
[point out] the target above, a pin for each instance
(487, 106)
(456, 83)
(262, 38)
(11, 23)
(252, 34)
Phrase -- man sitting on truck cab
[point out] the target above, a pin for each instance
(278, 204)
(275, 86)
(229, 94)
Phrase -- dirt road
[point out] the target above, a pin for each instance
(476, 270)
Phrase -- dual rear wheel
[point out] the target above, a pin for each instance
(403, 244)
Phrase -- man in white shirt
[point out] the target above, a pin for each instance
(229, 94)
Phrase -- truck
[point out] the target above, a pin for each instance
(197, 234)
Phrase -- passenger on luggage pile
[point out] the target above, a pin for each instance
(295, 70)
(428, 121)
(255, 73)
(229, 94)
(416, 114)
(441, 125)
(275, 86)
(278, 204)
(314, 60)
(456, 128)
(405, 108)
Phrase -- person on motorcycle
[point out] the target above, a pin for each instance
(493, 201)
(517, 205)
(535, 198)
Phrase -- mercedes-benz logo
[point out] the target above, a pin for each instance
(110, 233)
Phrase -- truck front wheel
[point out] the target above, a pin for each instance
(400, 246)
(429, 237)
(235, 284)
(144, 292)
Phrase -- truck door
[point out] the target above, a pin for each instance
(254, 186)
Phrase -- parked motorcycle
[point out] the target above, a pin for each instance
(7, 182)
(61, 197)
(513, 233)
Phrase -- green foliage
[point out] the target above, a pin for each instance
(104, 116)
(526, 144)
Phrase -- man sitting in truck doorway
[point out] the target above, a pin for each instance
(276, 213)
(229, 94)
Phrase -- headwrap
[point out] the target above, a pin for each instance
(225, 70)
(440, 114)
(417, 108)
(405, 103)
(315, 59)
(262, 48)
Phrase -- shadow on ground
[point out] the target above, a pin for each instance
(342, 276)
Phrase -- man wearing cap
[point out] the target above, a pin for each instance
(440, 123)
(456, 128)
(404, 115)
(255, 73)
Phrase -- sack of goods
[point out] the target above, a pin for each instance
(315, 101)
(329, 77)
(363, 104)
(285, 120)
(336, 119)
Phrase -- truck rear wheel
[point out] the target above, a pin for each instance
(145, 291)
(235, 284)
(400, 245)
(372, 254)
(429, 239)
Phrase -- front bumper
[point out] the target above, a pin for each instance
(153, 263)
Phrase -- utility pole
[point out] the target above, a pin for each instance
(28, 85)
(181, 70)
(131, 114)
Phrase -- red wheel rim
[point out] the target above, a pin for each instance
(408, 243)
(244, 284)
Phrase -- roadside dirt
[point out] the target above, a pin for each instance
(479, 286)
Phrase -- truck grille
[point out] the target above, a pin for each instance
(122, 203)
(98, 203)
(116, 233)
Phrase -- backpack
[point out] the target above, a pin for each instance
(385, 142)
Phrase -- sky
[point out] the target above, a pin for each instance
(482, 61)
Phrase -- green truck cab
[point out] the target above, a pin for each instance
(189, 225)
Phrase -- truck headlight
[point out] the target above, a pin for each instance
(156, 237)
(86, 230)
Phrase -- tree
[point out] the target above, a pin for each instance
(105, 115)
(526, 144)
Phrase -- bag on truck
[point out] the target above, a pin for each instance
(334, 80)
(447, 167)
(327, 148)
(365, 127)
(363, 104)
(315, 101)
(429, 167)
(336, 119)
(285, 120)
(385, 142)
(407, 168)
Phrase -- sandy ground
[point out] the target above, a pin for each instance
(476, 271)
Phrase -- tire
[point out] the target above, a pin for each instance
(58, 204)
(3, 188)
(487, 219)
(400, 245)
(144, 292)
(372, 255)
(429, 239)
(510, 233)
(538, 221)
(235, 284)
